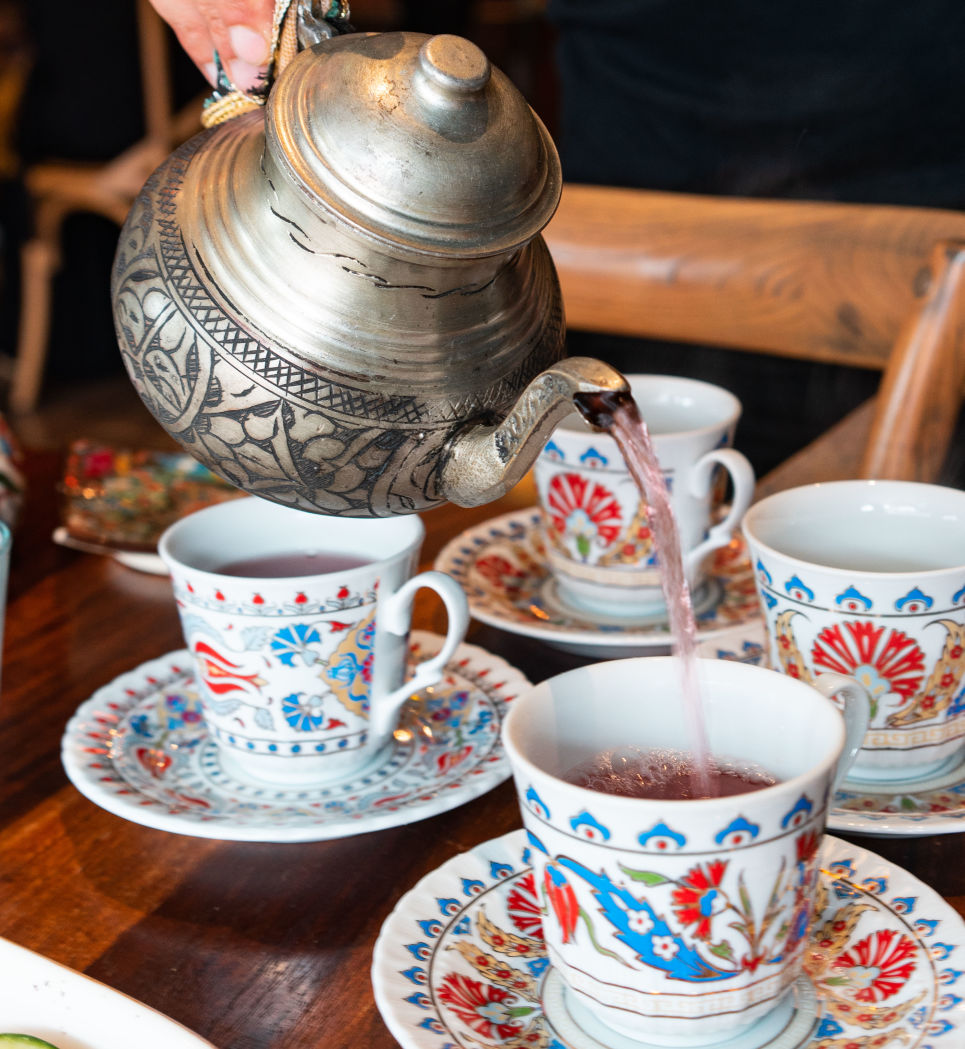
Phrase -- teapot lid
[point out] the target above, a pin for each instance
(417, 140)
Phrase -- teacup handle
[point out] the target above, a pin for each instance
(855, 706)
(742, 478)
(395, 615)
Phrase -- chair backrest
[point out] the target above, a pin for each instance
(872, 286)
(156, 88)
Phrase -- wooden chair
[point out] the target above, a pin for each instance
(872, 286)
(58, 189)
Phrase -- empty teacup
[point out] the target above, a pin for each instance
(600, 546)
(867, 578)
(678, 922)
(297, 624)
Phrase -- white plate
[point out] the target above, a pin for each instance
(47, 1000)
(934, 805)
(502, 567)
(140, 560)
(139, 748)
(888, 958)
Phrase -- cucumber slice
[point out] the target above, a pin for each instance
(23, 1041)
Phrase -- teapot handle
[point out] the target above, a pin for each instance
(311, 28)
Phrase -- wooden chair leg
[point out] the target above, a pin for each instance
(922, 387)
(39, 262)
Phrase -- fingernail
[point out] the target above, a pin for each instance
(249, 45)
(210, 71)
(246, 76)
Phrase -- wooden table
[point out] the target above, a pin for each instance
(250, 945)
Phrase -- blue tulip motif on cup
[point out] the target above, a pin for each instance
(852, 600)
(797, 589)
(589, 827)
(662, 838)
(914, 601)
(593, 459)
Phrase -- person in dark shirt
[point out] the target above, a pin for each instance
(856, 102)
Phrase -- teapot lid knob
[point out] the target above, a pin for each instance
(454, 64)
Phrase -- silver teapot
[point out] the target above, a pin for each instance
(342, 302)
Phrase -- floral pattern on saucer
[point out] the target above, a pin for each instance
(935, 805)
(460, 963)
(139, 748)
(900, 809)
(502, 566)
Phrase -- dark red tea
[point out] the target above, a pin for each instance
(665, 775)
(281, 566)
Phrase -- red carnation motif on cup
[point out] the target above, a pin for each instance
(881, 658)
(583, 510)
(698, 897)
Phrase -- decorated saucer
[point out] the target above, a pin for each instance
(932, 805)
(139, 748)
(139, 560)
(460, 963)
(502, 566)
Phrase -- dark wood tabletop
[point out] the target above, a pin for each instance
(251, 945)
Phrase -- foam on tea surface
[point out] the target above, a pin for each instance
(666, 775)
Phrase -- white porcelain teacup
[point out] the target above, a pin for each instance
(600, 546)
(867, 578)
(301, 673)
(682, 922)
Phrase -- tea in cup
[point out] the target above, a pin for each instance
(600, 545)
(297, 624)
(867, 579)
(680, 921)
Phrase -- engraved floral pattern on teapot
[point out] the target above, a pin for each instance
(348, 308)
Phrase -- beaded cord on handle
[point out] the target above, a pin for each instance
(295, 24)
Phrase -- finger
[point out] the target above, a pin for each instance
(191, 29)
(241, 33)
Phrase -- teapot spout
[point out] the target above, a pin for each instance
(484, 462)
